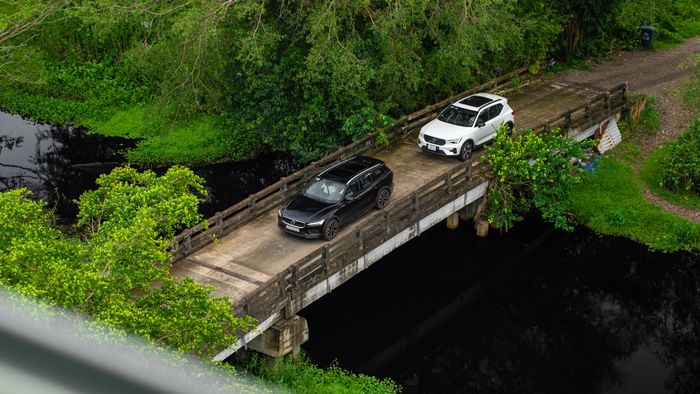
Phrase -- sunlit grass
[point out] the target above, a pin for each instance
(612, 202)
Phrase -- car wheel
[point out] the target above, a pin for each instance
(382, 197)
(466, 151)
(509, 129)
(330, 228)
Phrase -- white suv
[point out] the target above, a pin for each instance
(466, 124)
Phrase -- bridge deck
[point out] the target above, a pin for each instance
(252, 255)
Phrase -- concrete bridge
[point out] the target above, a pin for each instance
(271, 275)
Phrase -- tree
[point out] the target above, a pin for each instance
(117, 268)
(532, 170)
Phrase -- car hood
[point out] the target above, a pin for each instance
(439, 129)
(304, 209)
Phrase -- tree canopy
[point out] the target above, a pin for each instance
(115, 268)
(300, 76)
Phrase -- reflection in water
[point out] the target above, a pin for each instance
(59, 163)
(554, 313)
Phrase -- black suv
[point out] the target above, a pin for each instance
(336, 197)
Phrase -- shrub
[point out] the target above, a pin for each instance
(682, 168)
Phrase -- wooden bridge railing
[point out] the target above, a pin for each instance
(222, 223)
(595, 110)
(286, 292)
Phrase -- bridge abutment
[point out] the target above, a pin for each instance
(284, 337)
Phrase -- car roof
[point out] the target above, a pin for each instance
(478, 100)
(346, 170)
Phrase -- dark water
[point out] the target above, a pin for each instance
(532, 311)
(59, 163)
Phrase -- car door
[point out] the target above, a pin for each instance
(483, 129)
(367, 192)
(350, 209)
(495, 119)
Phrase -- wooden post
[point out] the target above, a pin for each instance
(219, 223)
(326, 261)
(188, 241)
(448, 182)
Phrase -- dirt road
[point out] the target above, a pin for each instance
(654, 73)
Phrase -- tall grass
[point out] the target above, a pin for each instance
(612, 202)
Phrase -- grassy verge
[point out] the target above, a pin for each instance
(612, 202)
(194, 141)
(652, 172)
(301, 376)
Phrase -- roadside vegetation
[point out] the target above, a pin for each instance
(612, 201)
(211, 81)
(300, 375)
(113, 266)
(532, 171)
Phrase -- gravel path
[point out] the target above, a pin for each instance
(653, 73)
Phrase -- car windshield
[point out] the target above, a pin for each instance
(325, 190)
(458, 116)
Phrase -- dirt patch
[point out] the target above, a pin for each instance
(654, 73)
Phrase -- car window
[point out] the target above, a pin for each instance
(325, 190)
(495, 110)
(377, 172)
(484, 116)
(353, 189)
(457, 116)
(366, 182)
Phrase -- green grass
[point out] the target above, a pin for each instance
(302, 376)
(612, 202)
(200, 140)
(652, 172)
(195, 141)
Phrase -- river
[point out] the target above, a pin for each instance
(59, 163)
(536, 310)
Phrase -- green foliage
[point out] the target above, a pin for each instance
(682, 167)
(649, 121)
(301, 376)
(227, 80)
(652, 172)
(117, 271)
(612, 202)
(532, 171)
(691, 89)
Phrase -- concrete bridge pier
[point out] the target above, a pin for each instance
(468, 213)
(284, 337)
(453, 221)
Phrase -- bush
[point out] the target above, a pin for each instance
(682, 168)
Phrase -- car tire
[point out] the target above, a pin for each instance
(509, 129)
(466, 151)
(382, 198)
(330, 229)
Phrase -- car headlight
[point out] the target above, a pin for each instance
(279, 212)
(316, 224)
(454, 141)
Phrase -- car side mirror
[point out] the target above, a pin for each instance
(349, 199)
(480, 123)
